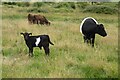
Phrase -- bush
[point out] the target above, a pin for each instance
(61, 5)
(65, 5)
(100, 9)
(23, 4)
(37, 10)
(63, 10)
(9, 3)
(37, 4)
(82, 5)
(72, 5)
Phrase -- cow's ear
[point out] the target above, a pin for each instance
(101, 25)
(30, 33)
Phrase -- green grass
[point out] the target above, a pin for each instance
(70, 57)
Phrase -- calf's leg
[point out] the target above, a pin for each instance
(47, 50)
(40, 47)
(31, 51)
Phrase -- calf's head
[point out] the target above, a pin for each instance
(26, 35)
(100, 30)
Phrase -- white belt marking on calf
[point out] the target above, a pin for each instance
(84, 21)
(37, 41)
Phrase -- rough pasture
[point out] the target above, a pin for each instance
(69, 58)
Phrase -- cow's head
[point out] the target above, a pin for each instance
(48, 23)
(100, 30)
(26, 35)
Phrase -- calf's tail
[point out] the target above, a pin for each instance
(51, 42)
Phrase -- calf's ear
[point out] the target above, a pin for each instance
(30, 33)
(21, 34)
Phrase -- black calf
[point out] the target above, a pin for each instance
(37, 41)
(89, 27)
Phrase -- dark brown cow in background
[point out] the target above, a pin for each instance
(37, 19)
(41, 20)
(31, 19)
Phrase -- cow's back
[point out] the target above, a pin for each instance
(89, 26)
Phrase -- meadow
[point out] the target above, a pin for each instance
(70, 57)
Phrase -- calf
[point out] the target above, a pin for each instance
(89, 27)
(37, 41)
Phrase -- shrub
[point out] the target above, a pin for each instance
(63, 10)
(82, 5)
(100, 9)
(37, 4)
(72, 5)
(23, 4)
(9, 3)
(61, 5)
(10, 6)
(37, 10)
(65, 5)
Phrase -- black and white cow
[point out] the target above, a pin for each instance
(37, 41)
(89, 27)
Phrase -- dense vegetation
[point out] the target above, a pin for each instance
(69, 57)
(106, 8)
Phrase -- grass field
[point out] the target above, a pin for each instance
(70, 57)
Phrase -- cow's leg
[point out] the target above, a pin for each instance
(29, 22)
(92, 41)
(33, 21)
(31, 51)
(87, 40)
(42, 23)
(37, 22)
(84, 37)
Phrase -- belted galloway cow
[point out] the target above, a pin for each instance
(89, 27)
(41, 20)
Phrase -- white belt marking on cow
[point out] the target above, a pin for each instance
(84, 21)
(37, 41)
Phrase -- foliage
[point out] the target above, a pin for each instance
(100, 9)
(38, 4)
(82, 5)
(23, 4)
(65, 5)
(37, 10)
(72, 5)
(9, 3)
